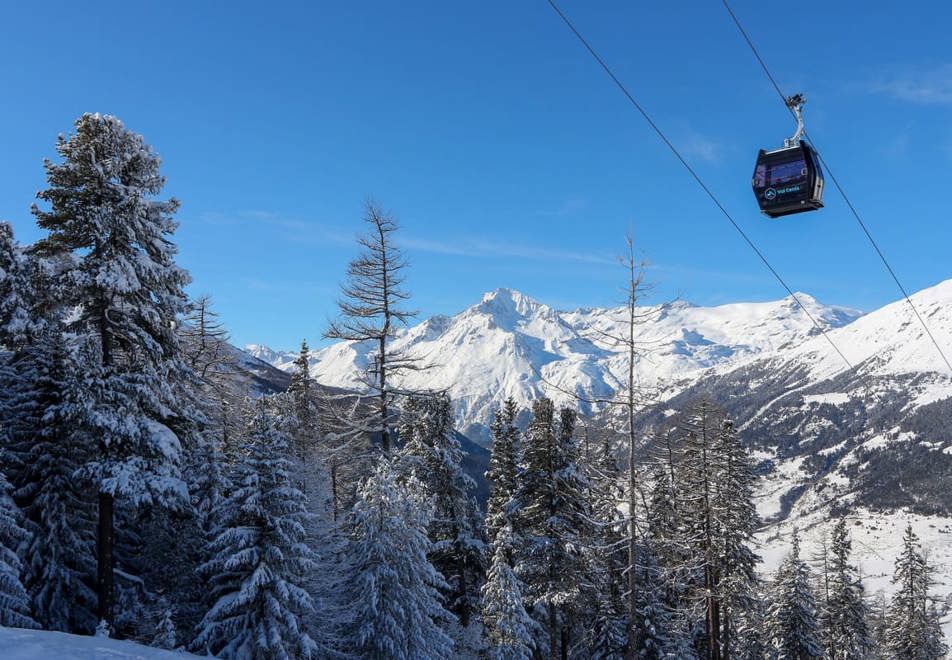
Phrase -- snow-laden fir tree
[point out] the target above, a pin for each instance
(165, 636)
(372, 307)
(302, 392)
(395, 592)
(845, 614)
(912, 629)
(605, 551)
(751, 640)
(552, 521)
(45, 404)
(737, 520)
(126, 293)
(658, 634)
(792, 626)
(503, 467)
(14, 601)
(508, 626)
(260, 560)
(17, 295)
(432, 454)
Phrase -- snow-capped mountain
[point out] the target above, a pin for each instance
(511, 345)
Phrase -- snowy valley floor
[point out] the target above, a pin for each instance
(20, 644)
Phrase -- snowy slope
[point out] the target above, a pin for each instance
(19, 644)
(500, 346)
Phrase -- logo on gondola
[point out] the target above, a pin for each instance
(770, 193)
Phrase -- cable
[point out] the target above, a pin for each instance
(829, 171)
(697, 177)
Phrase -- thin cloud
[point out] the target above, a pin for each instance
(930, 87)
(483, 249)
(697, 146)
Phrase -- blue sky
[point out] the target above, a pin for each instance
(507, 155)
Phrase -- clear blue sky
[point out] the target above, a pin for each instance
(508, 156)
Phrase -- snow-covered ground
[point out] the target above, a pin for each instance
(19, 644)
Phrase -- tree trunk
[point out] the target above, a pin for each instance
(334, 490)
(565, 642)
(384, 431)
(104, 559)
(553, 634)
(105, 532)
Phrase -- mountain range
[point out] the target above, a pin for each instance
(854, 421)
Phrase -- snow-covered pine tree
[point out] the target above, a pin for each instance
(845, 615)
(432, 454)
(659, 637)
(791, 625)
(503, 469)
(372, 306)
(736, 513)
(911, 630)
(127, 295)
(16, 291)
(551, 522)
(750, 637)
(605, 551)
(508, 626)
(394, 590)
(14, 601)
(700, 470)
(165, 635)
(45, 402)
(302, 392)
(260, 560)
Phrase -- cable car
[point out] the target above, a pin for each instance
(789, 180)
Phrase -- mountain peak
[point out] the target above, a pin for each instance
(507, 302)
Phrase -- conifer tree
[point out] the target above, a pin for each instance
(395, 591)
(14, 601)
(45, 405)
(260, 560)
(552, 520)
(503, 467)
(912, 629)
(432, 454)
(16, 291)
(372, 308)
(737, 520)
(792, 625)
(508, 626)
(105, 223)
(165, 634)
(845, 615)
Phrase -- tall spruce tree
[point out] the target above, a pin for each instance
(792, 625)
(509, 628)
(17, 294)
(503, 469)
(14, 601)
(845, 614)
(45, 405)
(260, 560)
(912, 629)
(551, 522)
(394, 590)
(432, 454)
(127, 293)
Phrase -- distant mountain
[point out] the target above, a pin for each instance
(871, 441)
(499, 346)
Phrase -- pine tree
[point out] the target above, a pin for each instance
(508, 626)
(845, 615)
(165, 634)
(301, 391)
(17, 322)
(45, 404)
(260, 560)
(395, 591)
(737, 520)
(503, 467)
(912, 630)
(792, 625)
(127, 294)
(372, 307)
(14, 601)
(432, 454)
(551, 521)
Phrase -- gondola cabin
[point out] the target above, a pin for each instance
(788, 180)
